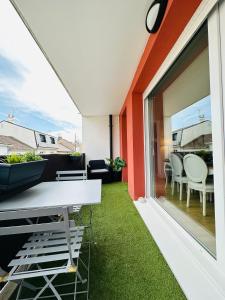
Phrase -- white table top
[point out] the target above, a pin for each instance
(55, 194)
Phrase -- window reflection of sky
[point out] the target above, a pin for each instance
(191, 114)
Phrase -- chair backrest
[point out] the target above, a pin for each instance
(195, 168)
(71, 175)
(30, 218)
(177, 165)
(97, 164)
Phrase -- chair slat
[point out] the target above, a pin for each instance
(54, 235)
(31, 213)
(37, 273)
(71, 172)
(42, 259)
(31, 228)
(68, 175)
(47, 243)
(63, 178)
(45, 250)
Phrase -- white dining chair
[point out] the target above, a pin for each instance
(167, 172)
(197, 172)
(177, 173)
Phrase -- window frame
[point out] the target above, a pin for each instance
(52, 139)
(209, 10)
(42, 138)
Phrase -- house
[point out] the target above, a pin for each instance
(65, 146)
(128, 84)
(194, 137)
(40, 142)
(10, 145)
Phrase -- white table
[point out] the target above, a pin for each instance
(46, 199)
(55, 194)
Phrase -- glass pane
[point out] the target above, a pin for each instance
(182, 143)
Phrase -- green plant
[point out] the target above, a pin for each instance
(116, 164)
(205, 155)
(31, 156)
(75, 154)
(15, 158)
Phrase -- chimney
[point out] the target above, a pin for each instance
(11, 118)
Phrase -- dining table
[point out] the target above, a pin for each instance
(50, 197)
(54, 194)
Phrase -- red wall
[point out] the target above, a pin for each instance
(177, 15)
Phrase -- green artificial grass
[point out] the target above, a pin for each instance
(126, 263)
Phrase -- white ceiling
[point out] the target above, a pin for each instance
(184, 89)
(93, 45)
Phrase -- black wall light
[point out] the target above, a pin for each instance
(155, 15)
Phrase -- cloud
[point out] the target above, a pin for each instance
(9, 69)
(38, 88)
(68, 134)
(190, 115)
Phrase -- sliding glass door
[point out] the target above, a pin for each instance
(181, 142)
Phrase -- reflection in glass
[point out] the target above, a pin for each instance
(182, 143)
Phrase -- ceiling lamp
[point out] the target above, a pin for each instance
(155, 15)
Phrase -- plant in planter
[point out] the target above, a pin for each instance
(18, 170)
(116, 165)
(75, 154)
(14, 159)
(31, 156)
(78, 159)
(205, 155)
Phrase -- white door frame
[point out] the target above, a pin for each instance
(217, 110)
(194, 24)
(207, 9)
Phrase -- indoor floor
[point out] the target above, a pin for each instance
(191, 218)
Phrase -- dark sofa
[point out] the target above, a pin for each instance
(98, 169)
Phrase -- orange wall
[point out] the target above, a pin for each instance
(177, 15)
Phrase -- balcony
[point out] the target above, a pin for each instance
(125, 261)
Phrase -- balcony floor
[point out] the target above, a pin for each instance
(125, 261)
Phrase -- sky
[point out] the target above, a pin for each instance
(190, 115)
(29, 88)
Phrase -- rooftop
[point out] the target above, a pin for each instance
(14, 144)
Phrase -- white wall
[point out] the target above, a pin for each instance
(46, 144)
(182, 92)
(22, 134)
(3, 149)
(95, 137)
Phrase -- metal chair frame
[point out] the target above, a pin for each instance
(68, 175)
(77, 175)
(57, 242)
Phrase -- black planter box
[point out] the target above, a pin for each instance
(116, 176)
(78, 160)
(13, 176)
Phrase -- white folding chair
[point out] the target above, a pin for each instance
(177, 173)
(197, 172)
(76, 209)
(53, 249)
(72, 175)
